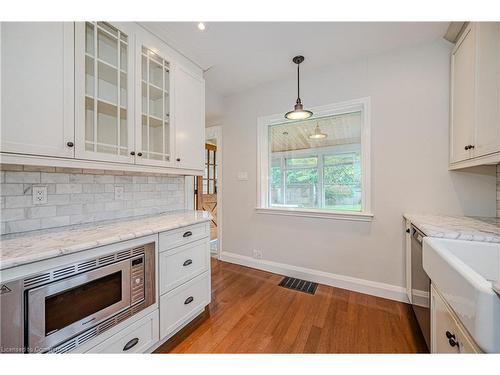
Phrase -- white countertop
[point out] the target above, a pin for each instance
(22, 248)
(457, 227)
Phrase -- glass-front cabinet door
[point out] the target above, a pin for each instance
(104, 100)
(154, 140)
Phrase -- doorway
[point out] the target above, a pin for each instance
(207, 192)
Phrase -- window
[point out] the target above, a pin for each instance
(323, 176)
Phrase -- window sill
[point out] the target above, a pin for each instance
(320, 214)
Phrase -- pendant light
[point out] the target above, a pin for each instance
(317, 133)
(299, 113)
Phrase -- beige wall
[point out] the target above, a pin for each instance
(409, 92)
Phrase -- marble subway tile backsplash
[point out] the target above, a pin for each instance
(76, 196)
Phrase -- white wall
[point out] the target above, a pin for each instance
(409, 92)
(214, 107)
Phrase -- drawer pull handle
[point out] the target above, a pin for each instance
(187, 234)
(188, 300)
(129, 345)
(187, 263)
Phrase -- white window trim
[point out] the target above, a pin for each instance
(263, 124)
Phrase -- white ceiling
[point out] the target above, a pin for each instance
(241, 55)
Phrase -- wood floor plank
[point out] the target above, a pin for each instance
(250, 313)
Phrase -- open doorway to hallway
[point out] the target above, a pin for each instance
(207, 192)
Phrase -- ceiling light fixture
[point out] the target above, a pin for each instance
(317, 133)
(299, 113)
(201, 26)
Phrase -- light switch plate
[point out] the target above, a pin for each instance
(39, 195)
(243, 176)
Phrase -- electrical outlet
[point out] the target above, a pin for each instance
(39, 195)
(257, 254)
(118, 193)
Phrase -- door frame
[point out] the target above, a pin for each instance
(212, 132)
(215, 132)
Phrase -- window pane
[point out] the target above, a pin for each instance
(301, 188)
(342, 178)
(301, 162)
(319, 172)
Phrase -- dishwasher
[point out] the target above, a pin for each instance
(420, 285)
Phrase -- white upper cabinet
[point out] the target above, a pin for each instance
(189, 119)
(154, 141)
(487, 135)
(99, 95)
(475, 96)
(104, 92)
(37, 88)
(462, 94)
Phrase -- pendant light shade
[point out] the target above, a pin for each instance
(317, 133)
(299, 113)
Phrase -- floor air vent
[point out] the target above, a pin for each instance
(298, 284)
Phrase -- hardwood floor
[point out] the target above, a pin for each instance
(250, 313)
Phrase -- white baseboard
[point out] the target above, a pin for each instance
(373, 288)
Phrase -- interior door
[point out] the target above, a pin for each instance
(206, 187)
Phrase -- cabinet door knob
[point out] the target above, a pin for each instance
(187, 263)
(70, 144)
(188, 300)
(132, 153)
(408, 230)
(178, 159)
(471, 146)
(449, 335)
(187, 234)
(139, 154)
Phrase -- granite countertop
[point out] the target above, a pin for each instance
(483, 229)
(28, 247)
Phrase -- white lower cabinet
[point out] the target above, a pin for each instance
(184, 290)
(174, 238)
(182, 264)
(447, 334)
(182, 304)
(137, 338)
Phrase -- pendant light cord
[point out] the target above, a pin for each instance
(298, 84)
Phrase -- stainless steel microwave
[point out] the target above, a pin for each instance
(60, 309)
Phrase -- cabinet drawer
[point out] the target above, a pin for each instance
(178, 237)
(178, 306)
(139, 337)
(183, 263)
(448, 336)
